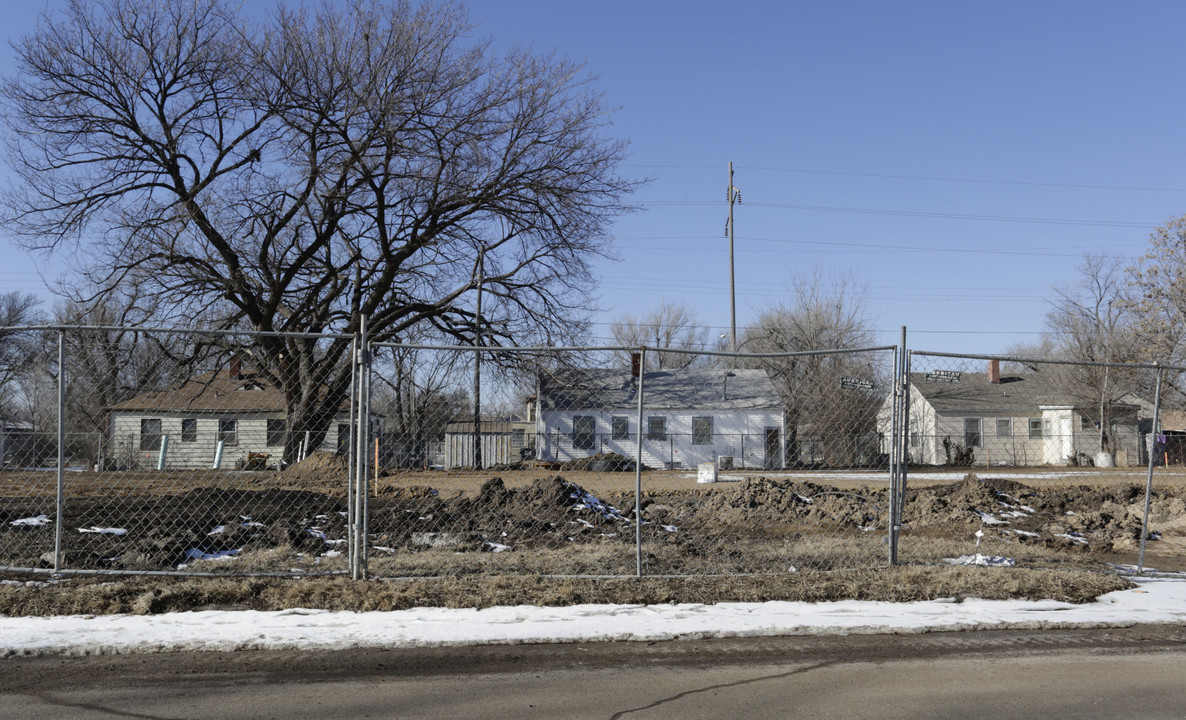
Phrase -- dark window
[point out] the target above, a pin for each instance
(228, 431)
(343, 439)
(150, 434)
(584, 432)
(702, 431)
(621, 428)
(1035, 428)
(972, 432)
(518, 437)
(656, 428)
(276, 431)
(1004, 427)
(189, 429)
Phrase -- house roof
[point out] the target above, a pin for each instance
(698, 389)
(211, 392)
(973, 392)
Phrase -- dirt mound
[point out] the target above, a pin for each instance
(601, 462)
(321, 467)
(760, 501)
(551, 511)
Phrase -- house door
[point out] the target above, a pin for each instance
(773, 448)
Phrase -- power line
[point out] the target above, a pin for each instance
(914, 213)
(1078, 250)
(927, 178)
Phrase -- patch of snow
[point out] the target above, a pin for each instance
(103, 530)
(1155, 601)
(990, 519)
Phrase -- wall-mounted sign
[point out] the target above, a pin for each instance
(947, 376)
(856, 383)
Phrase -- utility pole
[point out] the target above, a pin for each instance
(733, 195)
(480, 272)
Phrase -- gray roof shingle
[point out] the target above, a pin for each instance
(698, 389)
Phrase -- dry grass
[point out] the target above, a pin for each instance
(899, 584)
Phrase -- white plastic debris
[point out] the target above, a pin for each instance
(983, 560)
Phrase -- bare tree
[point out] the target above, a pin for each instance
(109, 360)
(823, 314)
(670, 325)
(1092, 320)
(1158, 281)
(308, 172)
(17, 348)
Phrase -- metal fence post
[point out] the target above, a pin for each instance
(359, 446)
(61, 451)
(894, 456)
(904, 441)
(638, 466)
(351, 530)
(1149, 479)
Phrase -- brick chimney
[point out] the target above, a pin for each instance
(994, 371)
(236, 369)
(635, 363)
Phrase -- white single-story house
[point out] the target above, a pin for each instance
(239, 408)
(1025, 418)
(690, 416)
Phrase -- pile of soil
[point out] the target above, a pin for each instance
(166, 529)
(321, 468)
(550, 512)
(760, 502)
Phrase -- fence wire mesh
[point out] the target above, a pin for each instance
(602, 461)
(181, 451)
(143, 451)
(1043, 463)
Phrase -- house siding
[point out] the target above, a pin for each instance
(1063, 440)
(739, 435)
(199, 454)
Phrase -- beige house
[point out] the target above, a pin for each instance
(236, 408)
(1015, 419)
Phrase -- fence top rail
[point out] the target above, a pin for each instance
(629, 348)
(1049, 361)
(173, 330)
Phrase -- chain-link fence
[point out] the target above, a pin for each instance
(136, 450)
(133, 450)
(1043, 462)
(204, 452)
(607, 461)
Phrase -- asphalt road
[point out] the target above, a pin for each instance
(1136, 672)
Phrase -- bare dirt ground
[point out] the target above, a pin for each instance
(577, 522)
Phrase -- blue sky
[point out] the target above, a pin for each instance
(957, 159)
